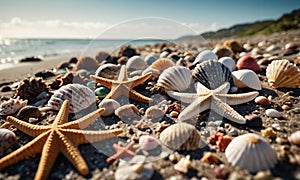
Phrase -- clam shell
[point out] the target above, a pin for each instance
(147, 142)
(295, 138)
(127, 111)
(154, 112)
(108, 70)
(11, 106)
(181, 136)
(246, 78)
(282, 73)
(228, 62)
(162, 64)
(251, 152)
(176, 78)
(110, 105)
(212, 74)
(205, 56)
(7, 140)
(29, 112)
(136, 63)
(87, 63)
(79, 96)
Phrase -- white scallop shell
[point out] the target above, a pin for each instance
(228, 62)
(282, 73)
(246, 78)
(176, 78)
(136, 63)
(162, 64)
(251, 152)
(11, 106)
(110, 105)
(79, 96)
(205, 56)
(181, 136)
(295, 138)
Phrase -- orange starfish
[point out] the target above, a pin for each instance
(60, 137)
(124, 86)
(121, 152)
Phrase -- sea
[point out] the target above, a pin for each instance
(13, 50)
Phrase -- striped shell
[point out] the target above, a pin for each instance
(176, 78)
(162, 64)
(295, 138)
(228, 62)
(251, 152)
(246, 78)
(80, 97)
(212, 74)
(282, 73)
(205, 55)
(11, 106)
(181, 136)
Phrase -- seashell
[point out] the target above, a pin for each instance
(222, 51)
(102, 56)
(247, 62)
(87, 63)
(181, 136)
(212, 74)
(282, 73)
(273, 48)
(205, 56)
(295, 138)
(127, 111)
(7, 140)
(150, 59)
(164, 54)
(251, 152)
(110, 105)
(233, 45)
(147, 142)
(30, 88)
(228, 62)
(108, 70)
(29, 111)
(155, 72)
(210, 158)
(154, 112)
(136, 63)
(162, 64)
(79, 96)
(176, 78)
(268, 133)
(246, 78)
(262, 100)
(11, 106)
(184, 164)
(273, 113)
(62, 80)
(122, 60)
(290, 46)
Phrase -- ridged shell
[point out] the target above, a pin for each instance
(11, 106)
(87, 63)
(162, 64)
(136, 63)
(246, 78)
(251, 152)
(176, 78)
(108, 70)
(7, 140)
(30, 88)
(295, 138)
(80, 97)
(181, 136)
(228, 62)
(212, 74)
(205, 56)
(110, 106)
(282, 73)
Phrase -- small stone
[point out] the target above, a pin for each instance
(253, 120)
(101, 92)
(221, 172)
(273, 113)
(285, 107)
(183, 165)
(276, 126)
(210, 158)
(223, 142)
(263, 175)
(261, 100)
(174, 114)
(280, 140)
(268, 132)
(5, 89)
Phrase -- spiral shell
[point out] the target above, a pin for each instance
(162, 64)
(181, 136)
(282, 73)
(246, 78)
(11, 106)
(80, 97)
(87, 63)
(295, 138)
(176, 78)
(212, 74)
(251, 152)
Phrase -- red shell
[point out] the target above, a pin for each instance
(247, 62)
(223, 142)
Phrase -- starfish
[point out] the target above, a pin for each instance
(217, 100)
(124, 86)
(121, 152)
(60, 137)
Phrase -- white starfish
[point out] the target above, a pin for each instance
(217, 100)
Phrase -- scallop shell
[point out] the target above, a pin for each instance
(11, 106)
(295, 138)
(181, 136)
(30, 88)
(282, 73)
(110, 105)
(251, 152)
(127, 111)
(162, 64)
(154, 112)
(228, 62)
(87, 63)
(246, 78)
(205, 56)
(136, 63)
(7, 140)
(80, 97)
(176, 78)
(212, 74)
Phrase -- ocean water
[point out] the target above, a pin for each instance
(13, 50)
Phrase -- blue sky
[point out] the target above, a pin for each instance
(79, 18)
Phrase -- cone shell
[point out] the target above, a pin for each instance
(246, 78)
(11, 106)
(162, 64)
(205, 55)
(181, 136)
(295, 138)
(79, 96)
(110, 105)
(87, 63)
(176, 78)
(212, 74)
(251, 152)
(282, 73)
(136, 63)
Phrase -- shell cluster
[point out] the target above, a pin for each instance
(12, 106)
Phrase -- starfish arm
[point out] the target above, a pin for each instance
(141, 79)
(33, 147)
(223, 89)
(226, 111)
(27, 128)
(116, 91)
(198, 106)
(84, 121)
(63, 113)
(138, 97)
(122, 76)
(234, 99)
(103, 81)
(184, 97)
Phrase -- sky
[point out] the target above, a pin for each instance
(131, 18)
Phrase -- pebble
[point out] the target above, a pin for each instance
(221, 172)
(101, 92)
(273, 48)
(268, 133)
(273, 113)
(210, 158)
(285, 107)
(263, 175)
(262, 100)
(253, 120)
(174, 114)
(5, 89)
(276, 126)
